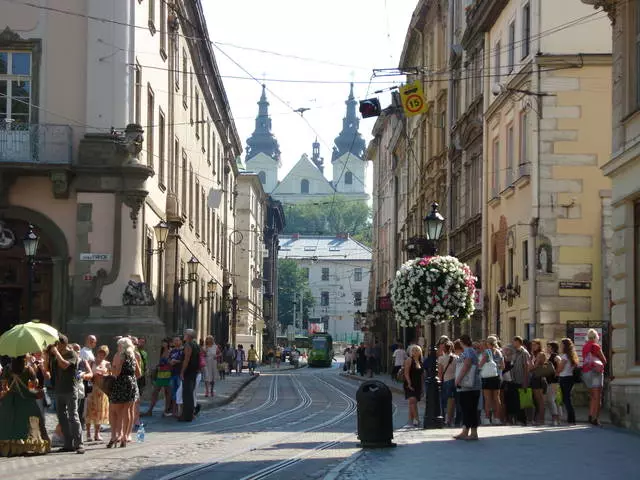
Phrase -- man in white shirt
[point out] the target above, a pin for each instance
(86, 353)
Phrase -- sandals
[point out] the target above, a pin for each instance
(111, 443)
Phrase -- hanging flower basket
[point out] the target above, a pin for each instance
(433, 289)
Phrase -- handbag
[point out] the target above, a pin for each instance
(400, 374)
(545, 371)
(489, 368)
(526, 398)
(105, 383)
(594, 363)
(577, 375)
(469, 379)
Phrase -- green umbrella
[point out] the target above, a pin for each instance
(27, 338)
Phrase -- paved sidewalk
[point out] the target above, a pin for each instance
(582, 413)
(501, 453)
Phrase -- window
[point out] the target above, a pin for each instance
(148, 258)
(190, 194)
(325, 274)
(512, 46)
(15, 87)
(161, 149)
(152, 16)
(304, 186)
(197, 106)
(203, 215)
(196, 194)
(357, 299)
(348, 178)
(524, 143)
(214, 241)
(185, 74)
(138, 93)
(163, 29)
(636, 72)
(150, 122)
(636, 254)
(263, 177)
(468, 184)
(510, 157)
(496, 63)
(191, 96)
(324, 299)
(495, 177)
(510, 277)
(525, 260)
(176, 61)
(357, 274)
(208, 220)
(202, 120)
(455, 199)
(185, 188)
(209, 142)
(526, 30)
(174, 167)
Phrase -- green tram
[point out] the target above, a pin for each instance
(321, 351)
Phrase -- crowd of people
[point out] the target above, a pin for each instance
(365, 359)
(491, 383)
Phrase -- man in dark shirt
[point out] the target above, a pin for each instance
(67, 381)
(188, 374)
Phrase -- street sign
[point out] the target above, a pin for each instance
(575, 285)
(95, 257)
(413, 100)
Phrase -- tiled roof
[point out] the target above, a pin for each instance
(322, 248)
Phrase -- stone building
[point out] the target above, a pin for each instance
(545, 197)
(117, 145)
(623, 169)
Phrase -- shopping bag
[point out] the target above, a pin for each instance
(559, 401)
(526, 398)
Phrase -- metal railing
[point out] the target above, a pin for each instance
(35, 144)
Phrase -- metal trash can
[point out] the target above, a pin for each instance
(375, 415)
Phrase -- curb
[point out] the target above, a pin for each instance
(393, 388)
(338, 469)
(231, 397)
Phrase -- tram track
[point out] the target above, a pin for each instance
(284, 464)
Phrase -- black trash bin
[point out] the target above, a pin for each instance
(375, 415)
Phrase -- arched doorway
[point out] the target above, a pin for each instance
(49, 272)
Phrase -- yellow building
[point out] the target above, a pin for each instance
(547, 201)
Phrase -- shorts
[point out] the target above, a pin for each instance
(252, 364)
(593, 379)
(491, 383)
(142, 382)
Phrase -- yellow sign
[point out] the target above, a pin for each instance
(413, 100)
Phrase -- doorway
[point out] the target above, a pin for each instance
(9, 307)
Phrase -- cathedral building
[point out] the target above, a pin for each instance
(306, 180)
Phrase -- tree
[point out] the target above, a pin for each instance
(330, 217)
(293, 283)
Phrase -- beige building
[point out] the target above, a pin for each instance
(249, 252)
(623, 169)
(75, 164)
(547, 202)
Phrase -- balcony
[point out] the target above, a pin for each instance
(44, 144)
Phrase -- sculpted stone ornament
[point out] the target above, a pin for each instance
(60, 184)
(138, 294)
(131, 142)
(134, 200)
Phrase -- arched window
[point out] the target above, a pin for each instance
(348, 178)
(304, 186)
(263, 178)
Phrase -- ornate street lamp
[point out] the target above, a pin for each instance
(161, 231)
(192, 269)
(211, 291)
(433, 226)
(30, 242)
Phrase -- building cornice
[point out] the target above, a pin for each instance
(622, 159)
(481, 15)
(609, 6)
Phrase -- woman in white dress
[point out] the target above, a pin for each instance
(211, 367)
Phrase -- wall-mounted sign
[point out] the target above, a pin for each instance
(95, 257)
(575, 285)
(384, 303)
(478, 299)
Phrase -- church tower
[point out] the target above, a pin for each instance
(317, 160)
(348, 153)
(263, 151)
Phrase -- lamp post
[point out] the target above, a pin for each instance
(433, 227)
(161, 232)
(30, 243)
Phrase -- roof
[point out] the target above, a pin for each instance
(320, 247)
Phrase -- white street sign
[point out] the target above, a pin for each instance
(95, 257)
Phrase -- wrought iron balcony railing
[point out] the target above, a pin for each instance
(45, 144)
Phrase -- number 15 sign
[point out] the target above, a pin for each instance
(413, 100)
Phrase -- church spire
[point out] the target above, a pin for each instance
(262, 140)
(349, 140)
(315, 156)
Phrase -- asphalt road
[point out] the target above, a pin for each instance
(293, 424)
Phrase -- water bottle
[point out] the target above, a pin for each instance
(140, 434)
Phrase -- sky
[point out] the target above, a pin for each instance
(340, 40)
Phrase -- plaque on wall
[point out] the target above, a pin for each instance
(575, 285)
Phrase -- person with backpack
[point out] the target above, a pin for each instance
(189, 374)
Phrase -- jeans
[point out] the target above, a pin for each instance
(447, 391)
(469, 402)
(458, 415)
(69, 419)
(188, 397)
(566, 385)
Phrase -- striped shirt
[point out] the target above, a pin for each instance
(520, 362)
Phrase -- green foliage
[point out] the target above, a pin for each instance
(293, 281)
(330, 218)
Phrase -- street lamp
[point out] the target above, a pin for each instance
(192, 272)
(30, 242)
(211, 290)
(161, 231)
(433, 226)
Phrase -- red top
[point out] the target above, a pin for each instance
(595, 350)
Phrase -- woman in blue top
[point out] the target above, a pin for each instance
(469, 389)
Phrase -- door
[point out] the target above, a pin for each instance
(9, 308)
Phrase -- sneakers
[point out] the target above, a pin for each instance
(416, 423)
